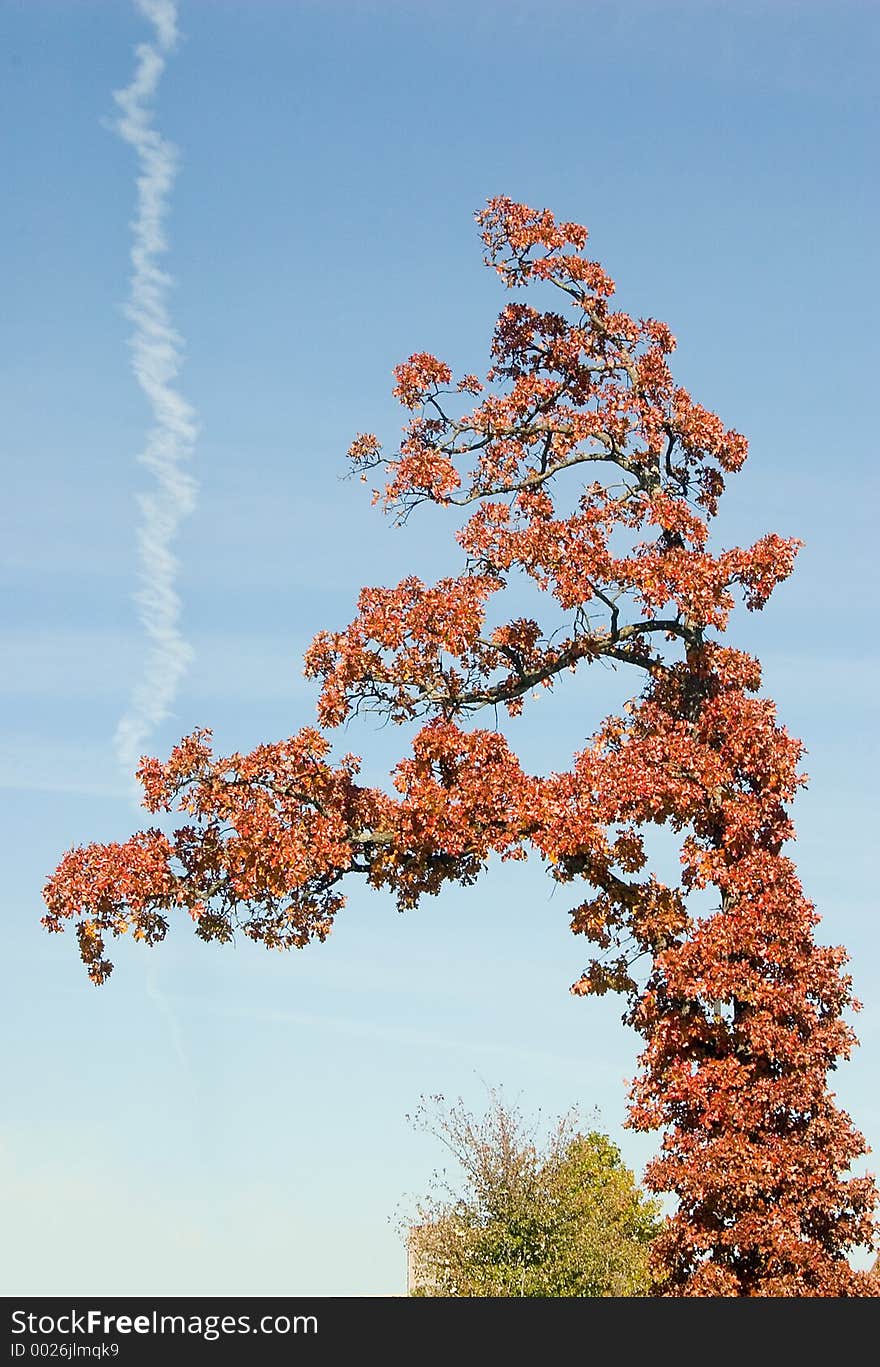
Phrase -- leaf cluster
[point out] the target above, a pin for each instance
(558, 1216)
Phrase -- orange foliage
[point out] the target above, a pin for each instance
(740, 1009)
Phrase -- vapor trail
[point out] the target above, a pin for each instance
(156, 357)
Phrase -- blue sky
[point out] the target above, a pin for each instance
(233, 1121)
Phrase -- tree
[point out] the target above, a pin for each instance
(565, 1218)
(741, 1010)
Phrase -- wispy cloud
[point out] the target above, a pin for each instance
(73, 663)
(168, 1014)
(156, 358)
(35, 763)
(405, 1035)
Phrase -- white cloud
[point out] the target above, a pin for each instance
(72, 664)
(156, 357)
(33, 764)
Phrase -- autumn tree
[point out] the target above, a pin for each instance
(526, 1215)
(579, 466)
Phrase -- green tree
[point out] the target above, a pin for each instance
(562, 1217)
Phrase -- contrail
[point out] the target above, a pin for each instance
(156, 357)
(163, 1006)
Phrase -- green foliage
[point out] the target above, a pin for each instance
(560, 1218)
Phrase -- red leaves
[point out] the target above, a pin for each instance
(113, 888)
(760, 569)
(272, 834)
(742, 1013)
(511, 231)
(419, 376)
(400, 648)
(702, 434)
